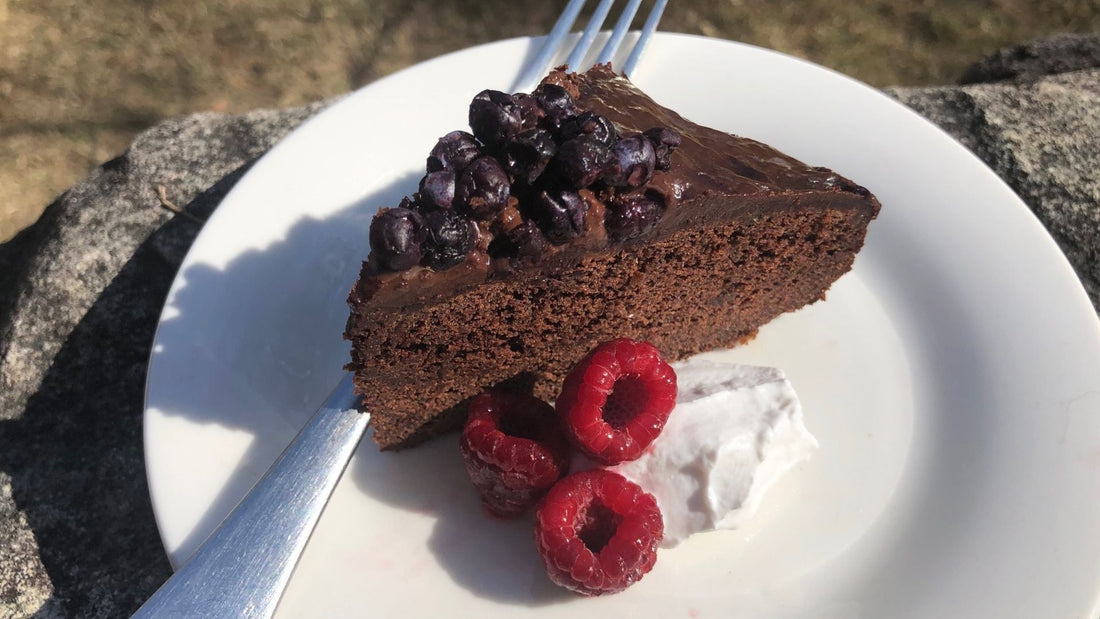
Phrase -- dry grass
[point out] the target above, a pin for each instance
(79, 77)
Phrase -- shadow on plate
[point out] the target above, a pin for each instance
(236, 345)
(494, 559)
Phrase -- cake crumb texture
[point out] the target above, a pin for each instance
(699, 289)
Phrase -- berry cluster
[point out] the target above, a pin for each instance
(517, 178)
(596, 531)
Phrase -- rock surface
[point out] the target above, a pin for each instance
(80, 294)
(81, 291)
(1041, 136)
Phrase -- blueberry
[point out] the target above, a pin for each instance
(523, 243)
(590, 123)
(664, 142)
(581, 161)
(438, 188)
(396, 235)
(529, 111)
(632, 162)
(453, 152)
(527, 156)
(528, 241)
(495, 117)
(449, 238)
(482, 189)
(560, 214)
(556, 102)
(631, 216)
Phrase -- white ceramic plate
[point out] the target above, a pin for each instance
(952, 378)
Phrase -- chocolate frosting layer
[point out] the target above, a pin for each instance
(707, 159)
(714, 176)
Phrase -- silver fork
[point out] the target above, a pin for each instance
(242, 569)
(537, 69)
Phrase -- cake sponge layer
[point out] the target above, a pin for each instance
(698, 289)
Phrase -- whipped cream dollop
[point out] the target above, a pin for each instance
(735, 430)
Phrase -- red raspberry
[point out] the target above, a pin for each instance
(514, 450)
(597, 532)
(616, 400)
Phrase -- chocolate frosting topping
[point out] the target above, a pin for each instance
(713, 176)
(707, 159)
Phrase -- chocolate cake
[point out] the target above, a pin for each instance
(579, 213)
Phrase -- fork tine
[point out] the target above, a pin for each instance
(590, 32)
(621, 26)
(643, 38)
(534, 71)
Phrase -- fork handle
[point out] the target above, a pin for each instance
(243, 567)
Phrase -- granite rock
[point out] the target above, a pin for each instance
(1041, 136)
(80, 294)
(81, 291)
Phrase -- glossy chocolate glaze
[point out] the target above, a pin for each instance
(714, 176)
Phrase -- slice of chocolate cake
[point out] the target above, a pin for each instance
(573, 215)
